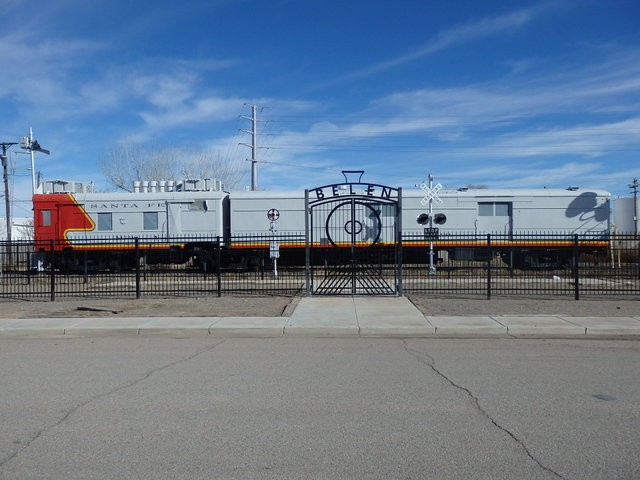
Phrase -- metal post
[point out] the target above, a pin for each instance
(218, 267)
(488, 266)
(85, 277)
(353, 247)
(576, 275)
(432, 268)
(634, 188)
(274, 247)
(275, 267)
(399, 242)
(52, 271)
(307, 252)
(137, 256)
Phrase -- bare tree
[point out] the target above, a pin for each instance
(125, 163)
(26, 229)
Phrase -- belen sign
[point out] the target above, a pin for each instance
(354, 189)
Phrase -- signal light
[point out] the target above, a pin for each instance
(423, 219)
(439, 218)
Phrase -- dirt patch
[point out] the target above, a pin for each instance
(593, 307)
(258, 306)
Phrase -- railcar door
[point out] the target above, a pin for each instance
(495, 218)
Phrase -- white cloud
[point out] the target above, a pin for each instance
(200, 110)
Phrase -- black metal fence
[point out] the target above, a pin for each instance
(489, 265)
(532, 264)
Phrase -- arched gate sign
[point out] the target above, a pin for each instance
(353, 242)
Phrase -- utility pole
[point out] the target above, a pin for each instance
(634, 189)
(7, 200)
(253, 146)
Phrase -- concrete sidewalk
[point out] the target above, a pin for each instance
(337, 317)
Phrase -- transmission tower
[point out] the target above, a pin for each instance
(253, 146)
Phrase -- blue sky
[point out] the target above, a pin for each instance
(505, 94)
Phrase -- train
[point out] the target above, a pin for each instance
(200, 222)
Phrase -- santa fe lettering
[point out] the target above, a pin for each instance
(113, 206)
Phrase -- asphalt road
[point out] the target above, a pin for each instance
(158, 407)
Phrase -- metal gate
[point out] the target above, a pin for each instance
(353, 242)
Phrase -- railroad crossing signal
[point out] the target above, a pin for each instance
(430, 193)
(273, 214)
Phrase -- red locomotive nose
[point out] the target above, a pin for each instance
(57, 214)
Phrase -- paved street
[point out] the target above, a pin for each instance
(203, 407)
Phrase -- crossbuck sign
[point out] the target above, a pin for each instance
(430, 193)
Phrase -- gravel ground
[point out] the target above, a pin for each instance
(274, 306)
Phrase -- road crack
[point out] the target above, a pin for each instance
(99, 396)
(429, 361)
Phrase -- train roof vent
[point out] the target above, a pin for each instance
(192, 185)
(146, 186)
(67, 186)
(200, 185)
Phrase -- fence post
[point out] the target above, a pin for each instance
(488, 266)
(85, 277)
(52, 272)
(137, 256)
(576, 275)
(218, 267)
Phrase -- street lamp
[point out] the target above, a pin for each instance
(28, 143)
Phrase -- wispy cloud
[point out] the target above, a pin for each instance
(584, 140)
(454, 36)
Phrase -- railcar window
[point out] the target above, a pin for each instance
(105, 221)
(502, 209)
(150, 220)
(46, 218)
(485, 209)
(493, 209)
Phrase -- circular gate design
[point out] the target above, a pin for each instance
(353, 223)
